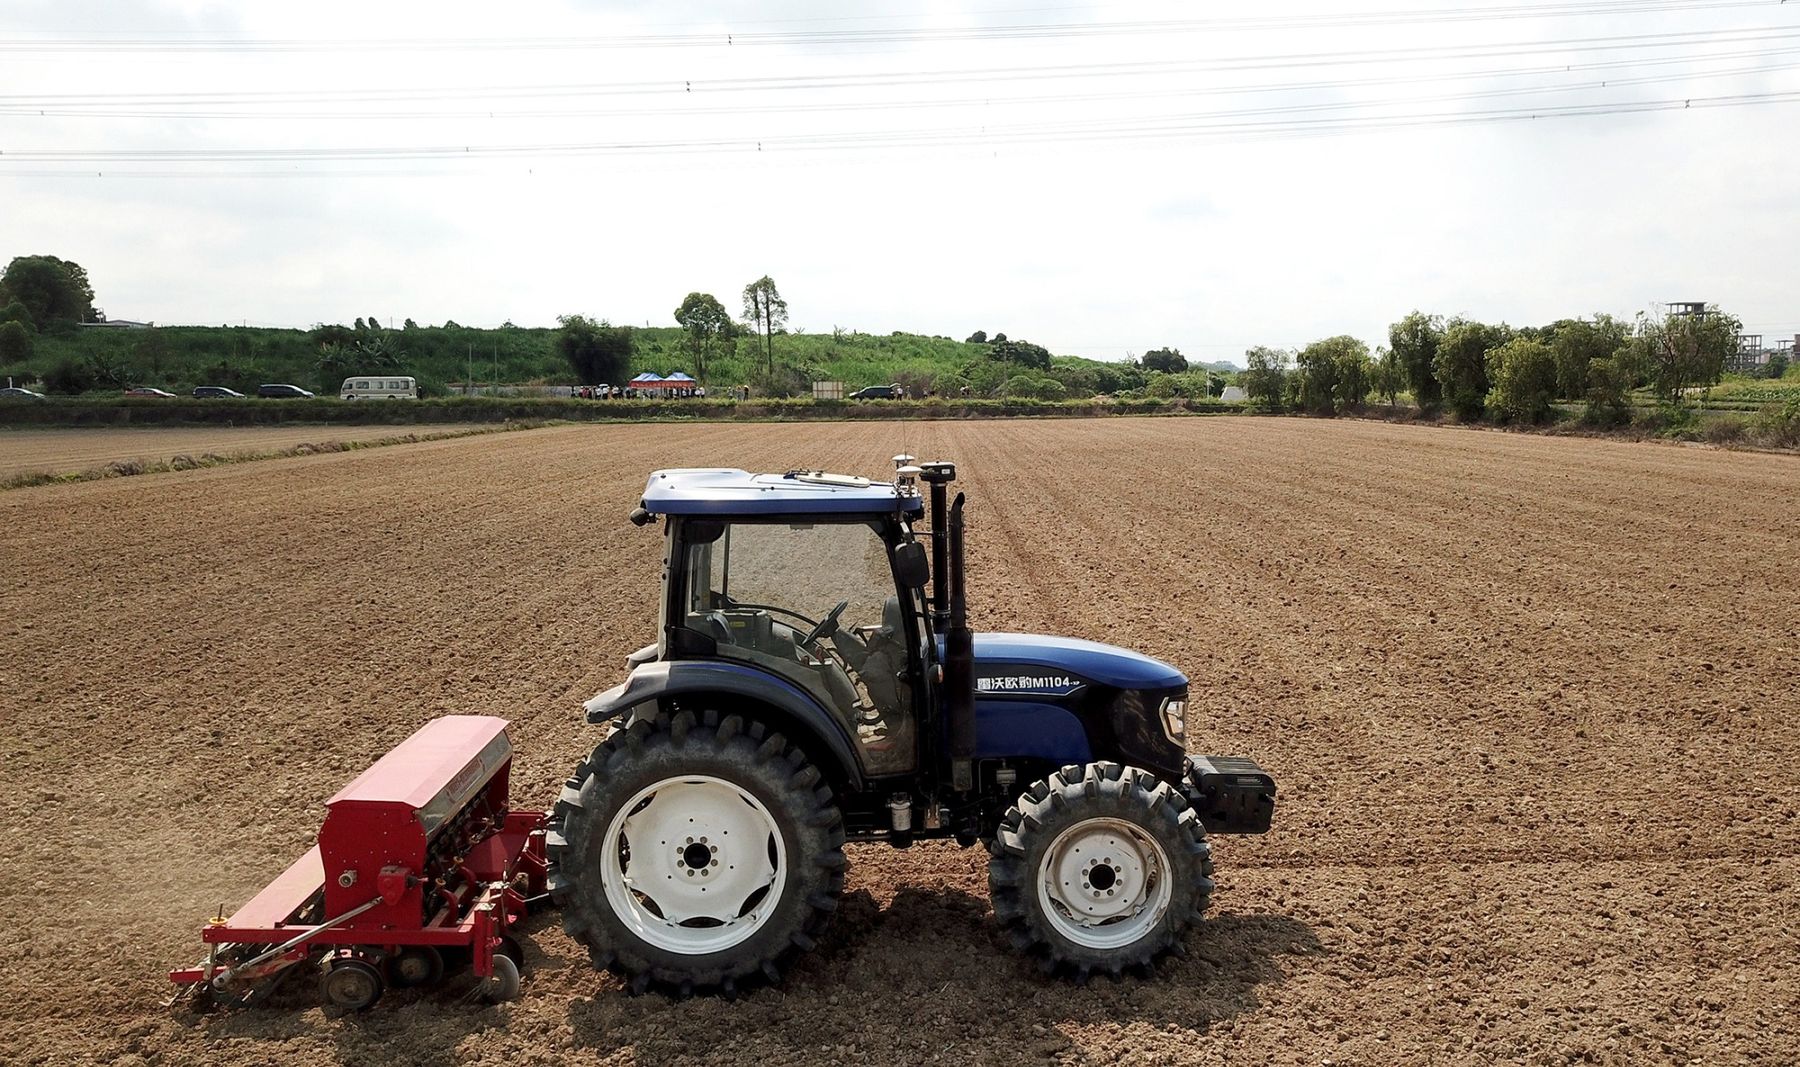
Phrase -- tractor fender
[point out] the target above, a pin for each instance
(789, 708)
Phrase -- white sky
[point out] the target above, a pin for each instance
(1095, 211)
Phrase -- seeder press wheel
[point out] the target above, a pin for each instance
(418, 965)
(350, 984)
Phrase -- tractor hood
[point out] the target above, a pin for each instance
(1057, 666)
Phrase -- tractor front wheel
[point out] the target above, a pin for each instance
(695, 852)
(1099, 868)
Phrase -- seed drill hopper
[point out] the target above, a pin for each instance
(420, 865)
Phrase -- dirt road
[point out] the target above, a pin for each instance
(1532, 703)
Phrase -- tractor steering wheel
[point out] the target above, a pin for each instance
(825, 625)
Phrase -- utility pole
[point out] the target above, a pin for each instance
(469, 381)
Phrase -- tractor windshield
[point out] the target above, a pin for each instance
(815, 602)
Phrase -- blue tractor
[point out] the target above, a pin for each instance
(813, 682)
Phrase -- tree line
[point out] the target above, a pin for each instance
(1478, 370)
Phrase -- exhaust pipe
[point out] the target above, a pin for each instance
(959, 664)
(939, 474)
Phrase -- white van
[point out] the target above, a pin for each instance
(386, 387)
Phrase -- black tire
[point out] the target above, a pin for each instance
(1074, 795)
(743, 752)
(350, 984)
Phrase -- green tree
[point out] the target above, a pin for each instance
(1388, 377)
(979, 337)
(1524, 374)
(1076, 379)
(15, 342)
(1330, 376)
(766, 310)
(1609, 381)
(708, 325)
(1167, 360)
(1024, 353)
(598, 352)
(1265, 377)
(16, 311)
(1575, 343)
(1354, 375)
(1683, 351)
(1414, 342)
(51, 290)
(1461, 364)
(998, 339)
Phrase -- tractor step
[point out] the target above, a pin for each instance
(1232, 794)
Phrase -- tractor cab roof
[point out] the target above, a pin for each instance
(721, 491)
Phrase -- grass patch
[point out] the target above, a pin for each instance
(120, 411)
(185, 462)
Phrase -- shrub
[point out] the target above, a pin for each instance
(1780, 423)
(15, 342)
(69, 376)
(1723, 429)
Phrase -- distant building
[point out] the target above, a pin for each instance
(101, 322)
(1750, 352)
(1234, 394)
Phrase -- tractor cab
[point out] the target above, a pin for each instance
(816, 579)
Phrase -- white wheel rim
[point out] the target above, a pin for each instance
(1104, 883)
(693, 864)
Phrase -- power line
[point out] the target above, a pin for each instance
(983, 101)
(863, 36)
(1054, 72)
(1195, 126)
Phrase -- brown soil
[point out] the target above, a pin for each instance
(1531, 701)
(64, 451)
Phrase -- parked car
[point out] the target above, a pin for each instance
(216, 392)
(879, 392)
(387, 387)
(13, 392)
(282, 391)
(146, 391)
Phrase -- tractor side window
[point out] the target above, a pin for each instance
(815, 603)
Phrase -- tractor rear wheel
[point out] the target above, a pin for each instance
(696, 852)
(1099, 869)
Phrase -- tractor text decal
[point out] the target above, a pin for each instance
(1059, 684)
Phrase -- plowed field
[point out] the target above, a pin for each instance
(1532, 703)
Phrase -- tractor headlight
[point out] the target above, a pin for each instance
(1174, 719)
